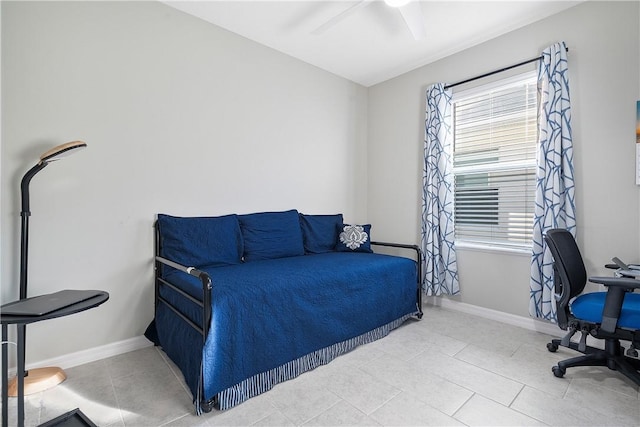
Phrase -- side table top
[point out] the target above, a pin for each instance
(83, 303)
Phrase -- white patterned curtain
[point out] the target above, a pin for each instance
(439, 263)
(555, 190)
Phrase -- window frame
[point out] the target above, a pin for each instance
(495, 246)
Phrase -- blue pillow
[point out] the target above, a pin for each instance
(201, 241)
(269, 235)
(354, 238)
(320, 232)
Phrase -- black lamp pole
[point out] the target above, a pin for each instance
(24, 230)
(24, 243)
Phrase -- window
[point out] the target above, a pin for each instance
(494, 162)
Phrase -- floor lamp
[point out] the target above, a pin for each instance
(41, 378)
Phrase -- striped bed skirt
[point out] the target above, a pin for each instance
(265, 381)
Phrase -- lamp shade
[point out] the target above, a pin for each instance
(61, 151)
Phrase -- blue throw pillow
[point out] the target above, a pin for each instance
(320, 232)
(269, 235)
(354, 238)
(201, 241)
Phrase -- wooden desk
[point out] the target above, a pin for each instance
(21, 322)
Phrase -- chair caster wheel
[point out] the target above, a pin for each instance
(558, 371)
(632, 352)
(552, 347)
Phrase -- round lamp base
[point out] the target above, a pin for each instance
(37, 380)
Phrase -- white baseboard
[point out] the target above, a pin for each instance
(92, 354)
(499, 316)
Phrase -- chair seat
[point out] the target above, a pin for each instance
(589, 307)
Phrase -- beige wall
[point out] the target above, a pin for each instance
(603, 40)
(180, 117)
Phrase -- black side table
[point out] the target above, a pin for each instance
(21, 321)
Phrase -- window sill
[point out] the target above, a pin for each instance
(492, 249)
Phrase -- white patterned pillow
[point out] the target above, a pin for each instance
(354, 238)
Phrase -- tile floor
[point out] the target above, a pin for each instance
(450, 368)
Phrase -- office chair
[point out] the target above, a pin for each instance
(612, 316)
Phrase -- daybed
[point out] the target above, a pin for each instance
(243, 302)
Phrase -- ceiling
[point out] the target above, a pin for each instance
(371, 43)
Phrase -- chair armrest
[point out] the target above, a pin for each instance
(616, 290)
(621, 282)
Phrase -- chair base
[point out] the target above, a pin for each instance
(612, 357)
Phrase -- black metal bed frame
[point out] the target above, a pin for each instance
(205, 302)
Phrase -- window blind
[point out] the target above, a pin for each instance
(494, 163)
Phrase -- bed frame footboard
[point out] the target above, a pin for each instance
(204, 304)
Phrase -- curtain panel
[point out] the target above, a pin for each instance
(555, 188)
(439, 263)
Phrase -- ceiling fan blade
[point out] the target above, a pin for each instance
(339, 17)
(412, 14)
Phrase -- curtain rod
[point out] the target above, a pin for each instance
(490, 73)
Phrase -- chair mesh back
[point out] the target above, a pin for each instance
(568, 262)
